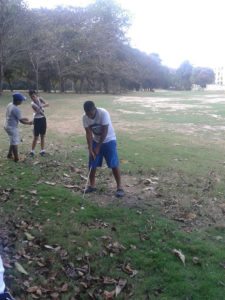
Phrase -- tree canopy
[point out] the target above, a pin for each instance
(83, 49)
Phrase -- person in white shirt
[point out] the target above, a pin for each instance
(40, 123)
(13, 117)
(101, 140)
(4, 293)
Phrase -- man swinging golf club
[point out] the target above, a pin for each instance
(101, 140)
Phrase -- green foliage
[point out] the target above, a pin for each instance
(78, 49)
(203, 76)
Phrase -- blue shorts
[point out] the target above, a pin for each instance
(107, 151)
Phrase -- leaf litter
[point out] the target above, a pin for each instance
(151, 188)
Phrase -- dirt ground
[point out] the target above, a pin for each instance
(169, 193)
(166, 193)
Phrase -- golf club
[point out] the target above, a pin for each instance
(87, 181)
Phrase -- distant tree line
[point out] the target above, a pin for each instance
(83, 50)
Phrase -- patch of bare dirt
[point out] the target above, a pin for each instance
(66, 126)
(188, 202)
(157, 104)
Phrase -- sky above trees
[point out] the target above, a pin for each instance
(177, 30)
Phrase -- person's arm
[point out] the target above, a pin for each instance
(26, 121)
(43, 103)
(18, 115)
(89, 139)
(102, 138)
(37, 109)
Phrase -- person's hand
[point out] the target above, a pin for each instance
(97, 149)
(92, 154)
(30, 123)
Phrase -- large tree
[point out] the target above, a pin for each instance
(11, 19)
(202, 76)
(183, 76)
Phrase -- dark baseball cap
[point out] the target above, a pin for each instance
(18, 97)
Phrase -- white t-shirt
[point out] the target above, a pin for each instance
(102, 118)
(13, 115)
(38, 109)
(2, 283)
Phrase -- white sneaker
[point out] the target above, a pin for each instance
(42, 153)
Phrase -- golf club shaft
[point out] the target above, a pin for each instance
(87, 181)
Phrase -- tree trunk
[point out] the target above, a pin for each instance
(75, 85)
(37, 79)
(62, 87)
(81, 85)
(106, 85)
(1, 78)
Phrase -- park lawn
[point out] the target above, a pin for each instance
(83, 248)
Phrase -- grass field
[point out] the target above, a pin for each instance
(171, 147)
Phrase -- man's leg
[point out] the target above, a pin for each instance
(43, 127)
(15, 152)
(91, 181)
(117, 176)
(42, 145)
(92, 177)
(10, 153)
(116, 173)
(34, 143)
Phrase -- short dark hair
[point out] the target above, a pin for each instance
(32, 92)
(89, 106)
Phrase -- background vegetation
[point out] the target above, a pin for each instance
(81, 49)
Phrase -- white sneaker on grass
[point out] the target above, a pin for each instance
(42, 152)
(32, 153)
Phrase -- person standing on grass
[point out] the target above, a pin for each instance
(40, 124)
(13, 117)
(4, 293)
(101, 141)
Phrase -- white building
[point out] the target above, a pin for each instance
(219, 84)
(219, 75)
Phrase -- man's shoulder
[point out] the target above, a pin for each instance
(9, 105)
(84, 117)
(14, 107)
(102, 111)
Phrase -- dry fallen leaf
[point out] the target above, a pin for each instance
(70, 186)
(33, 192)
(50, 183)
(108, 295)
(180, 255)
(127, 269)
(55, 295)
(66, 175)
(196, 261)
(48, 247)
(64, 288)
(20, 268)
(108, 280)
(120, 286)
(29, 236)
(124, 161)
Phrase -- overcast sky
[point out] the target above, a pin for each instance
(175, 29)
